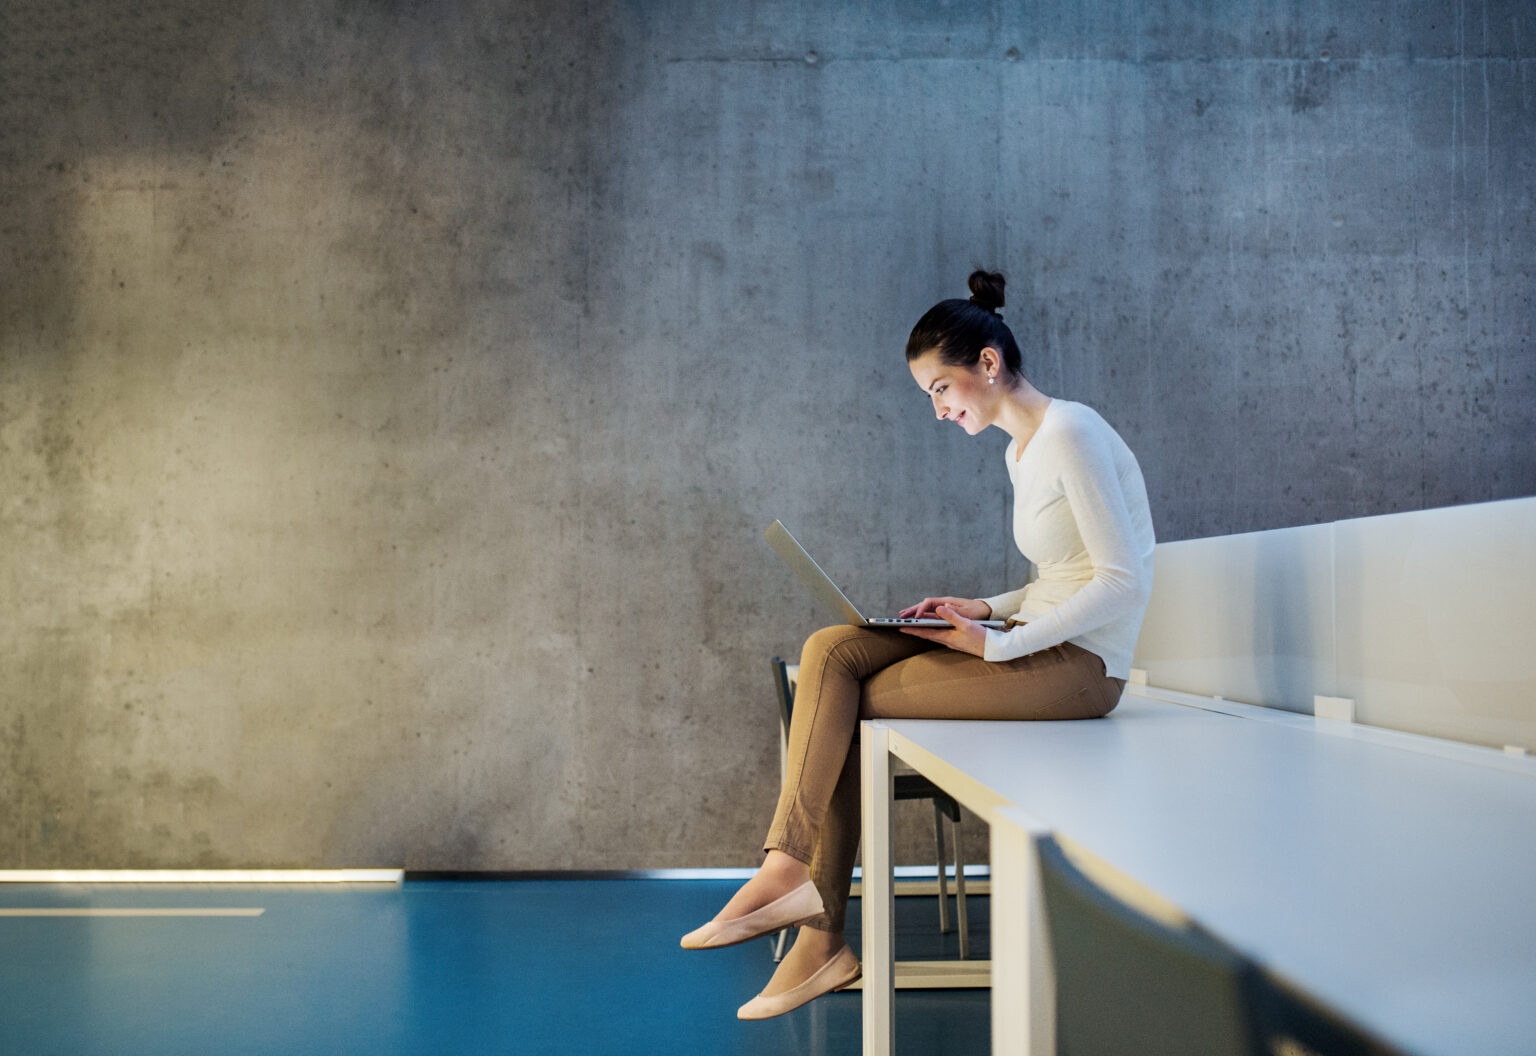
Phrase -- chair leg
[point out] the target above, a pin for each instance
(938, 841)
(965, 929)
(778, 945)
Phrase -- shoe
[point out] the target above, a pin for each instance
(797, 907)
(842, 970)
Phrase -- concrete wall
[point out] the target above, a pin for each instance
(392, 395)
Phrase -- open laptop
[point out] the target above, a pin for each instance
(828, 592)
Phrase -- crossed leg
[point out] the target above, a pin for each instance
(849, 673)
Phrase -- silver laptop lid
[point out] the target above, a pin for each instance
(831, 595)
(816, 581)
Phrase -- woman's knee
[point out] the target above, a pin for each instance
(856, 652)
(824, 645)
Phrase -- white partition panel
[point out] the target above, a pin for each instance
(1437, 621)
(1248, 617)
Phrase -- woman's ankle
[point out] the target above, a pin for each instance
(785, 868)
(778, 876)
(821, 943)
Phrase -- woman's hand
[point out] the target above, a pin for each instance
(928, 608)
(964, 635)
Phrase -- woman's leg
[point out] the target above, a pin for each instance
(1065, 682)
(817, 820)
(837, 846)
(831, 867)
(833, 667)
(833, 664)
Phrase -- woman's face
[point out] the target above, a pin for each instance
(959, 394)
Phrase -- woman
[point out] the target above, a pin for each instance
(1080, 517)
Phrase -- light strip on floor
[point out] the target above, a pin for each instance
(201, 876)
(105, 912)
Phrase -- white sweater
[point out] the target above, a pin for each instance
(1080, 516)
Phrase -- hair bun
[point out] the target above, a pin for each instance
(987, 289)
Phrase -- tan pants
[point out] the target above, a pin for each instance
(852, 673)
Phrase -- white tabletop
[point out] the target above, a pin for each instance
(1397, 886)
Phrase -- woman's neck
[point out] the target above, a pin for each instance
(1023, 409)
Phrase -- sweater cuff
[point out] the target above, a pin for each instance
(1019, 640)
(1005, 605)
(998, 645)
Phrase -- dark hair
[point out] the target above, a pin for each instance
(958, 330)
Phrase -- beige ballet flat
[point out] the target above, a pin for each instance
(797, 907)
(842, 970)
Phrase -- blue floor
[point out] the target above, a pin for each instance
(524, 966)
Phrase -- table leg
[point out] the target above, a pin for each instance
(1023, 981)
(878, 898)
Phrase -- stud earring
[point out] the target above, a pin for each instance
(991, 381)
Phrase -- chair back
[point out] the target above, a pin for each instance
(1135, 976)
(1128, 983)
(1293, 1024)
(785, 691)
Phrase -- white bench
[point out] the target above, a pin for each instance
(1386, 873)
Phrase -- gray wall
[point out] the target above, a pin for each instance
(392, 395)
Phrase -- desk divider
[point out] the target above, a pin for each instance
(1419, 618)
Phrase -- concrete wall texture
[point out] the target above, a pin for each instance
(392, 395)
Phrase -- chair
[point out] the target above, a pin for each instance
(907, 786)
(1135, 976)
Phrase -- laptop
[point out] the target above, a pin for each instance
(828, 593)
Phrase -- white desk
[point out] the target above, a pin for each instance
(1396, 886)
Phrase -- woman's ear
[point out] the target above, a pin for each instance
(991, 361)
